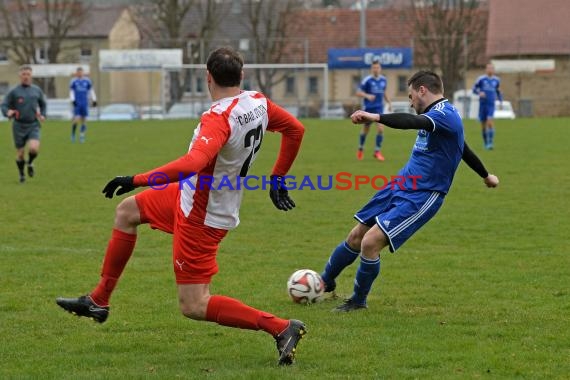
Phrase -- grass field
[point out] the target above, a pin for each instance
(482, 291)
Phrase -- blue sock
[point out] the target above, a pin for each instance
(73, 129)
(341, 257)
(484, 134)
(488, 136)
(365, 276)
(362, 140)
(379, 139)
(491, 135)
(83, 128)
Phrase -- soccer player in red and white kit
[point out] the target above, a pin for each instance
(198, 214)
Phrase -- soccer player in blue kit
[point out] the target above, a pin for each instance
(80, 89)
(397, 211)
(487, 87)
(373, 90)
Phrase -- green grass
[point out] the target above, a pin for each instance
(482, 291)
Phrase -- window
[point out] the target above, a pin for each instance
(200, 85)
(4, 88)
(313, 85)
(187, 81)
(402, 84)
(247, 84)
(290, 85)
(3, 55)
(193, 50)
(236, 7)
(85, 54)
(42, 54)
(244, 44)
(194, 83)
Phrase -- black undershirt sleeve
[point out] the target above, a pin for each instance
(473, 161)
(406, 121)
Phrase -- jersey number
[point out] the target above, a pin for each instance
(253, 139)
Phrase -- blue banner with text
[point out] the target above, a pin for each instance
(362, 58)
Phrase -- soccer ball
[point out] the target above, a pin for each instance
(306, 286)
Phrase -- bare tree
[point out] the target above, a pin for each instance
(22, 20)
(266, 22)
(172, 24)
(19, 26)
(449, 35)
(161, 21)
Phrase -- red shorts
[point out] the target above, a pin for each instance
(195, 245)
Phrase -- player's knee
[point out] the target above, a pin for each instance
(33, 147)
(354, 238)
(372, 243)
(370, 248)
(127, 213)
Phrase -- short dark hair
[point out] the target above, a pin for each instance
(79, 68)
(376, 61)
(428, 79)
(225, 65)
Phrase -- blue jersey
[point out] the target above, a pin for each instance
(436, 154)
(375, 86)
(490, 86)
(81, 88)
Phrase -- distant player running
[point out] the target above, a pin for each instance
(223, 147)
(373, 90)
(487, 87)
(396, 212)
(80, 89)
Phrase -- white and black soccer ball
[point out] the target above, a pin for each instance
(306, 286)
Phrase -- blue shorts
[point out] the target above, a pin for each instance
(486, 111)
(81, 110)
(400, 213)
(378, 110)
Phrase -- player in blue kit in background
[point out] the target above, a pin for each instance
(373, 90)
(80, 89)
(487, 87)
(396, 212)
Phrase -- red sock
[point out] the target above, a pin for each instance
(230, 312)
(119, 251)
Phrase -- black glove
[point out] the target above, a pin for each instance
(94, 104)
(74, 103)
(123, 183)
(279, 194)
